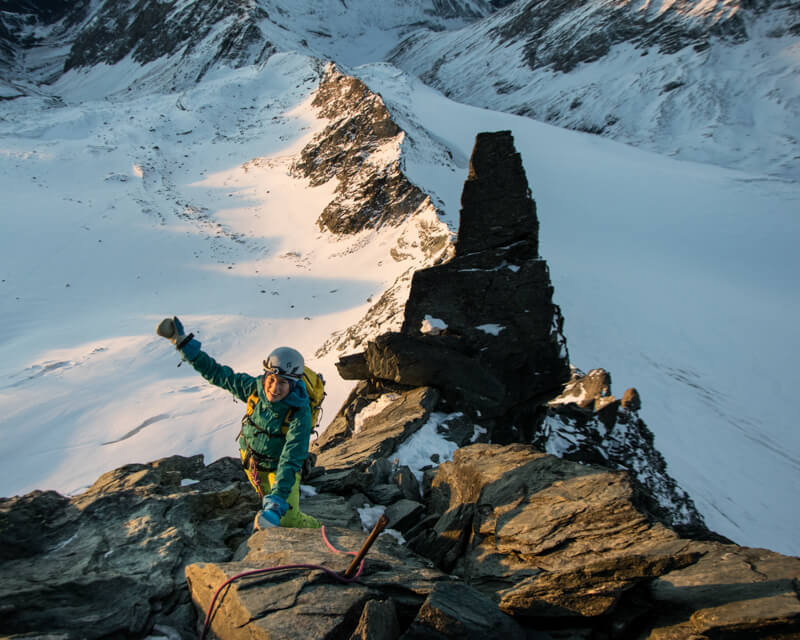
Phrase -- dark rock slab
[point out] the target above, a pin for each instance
(384, 494)
(446, 541)
(404, 514)
(458, 611)
(429, 360)
(381, 470)
(404, 478)
(731, 592)
(353, 367)
(378, 622)
(332, 511)
(341, 482)
(341, 427)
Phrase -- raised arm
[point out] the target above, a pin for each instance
(239, 384)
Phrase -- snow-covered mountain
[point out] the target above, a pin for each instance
(715, 81)
(182, 157)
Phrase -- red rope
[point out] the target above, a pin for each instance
(256, 572)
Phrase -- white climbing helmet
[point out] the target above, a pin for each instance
(285, 362)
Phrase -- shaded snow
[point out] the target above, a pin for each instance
(417, 451)
(491, 328)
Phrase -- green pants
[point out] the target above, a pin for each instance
(294, 518)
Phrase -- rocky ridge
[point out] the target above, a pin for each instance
(497, 540)
(361, 149)
(199, 36)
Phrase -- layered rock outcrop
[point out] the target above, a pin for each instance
(369, 193)
(360, 149)
(512, 542)
(481, 327)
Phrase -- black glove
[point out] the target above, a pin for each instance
(172, 330)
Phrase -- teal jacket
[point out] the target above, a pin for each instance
(263, 433)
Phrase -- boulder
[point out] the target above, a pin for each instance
(302, 602)
(404, 514)
(631, 400)
(381, 470)
(106, 563)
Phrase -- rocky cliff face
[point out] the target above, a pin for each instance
(503, 541)
(482, 331)
(361, 149)
(370, 193)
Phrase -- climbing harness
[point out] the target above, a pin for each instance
(351, 575)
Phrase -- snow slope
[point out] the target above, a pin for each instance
(119, 212)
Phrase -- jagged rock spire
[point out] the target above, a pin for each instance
(496, 205)
(482, 327)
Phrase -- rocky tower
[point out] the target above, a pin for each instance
(482, 327)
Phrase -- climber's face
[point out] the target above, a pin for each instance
(275, 387)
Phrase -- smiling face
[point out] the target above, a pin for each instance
(275, 387)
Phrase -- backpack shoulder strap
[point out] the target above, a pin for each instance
(252, 401)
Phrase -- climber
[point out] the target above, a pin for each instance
(273, 441)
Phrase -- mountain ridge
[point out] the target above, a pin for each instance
(113, 129)
(660, 77)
